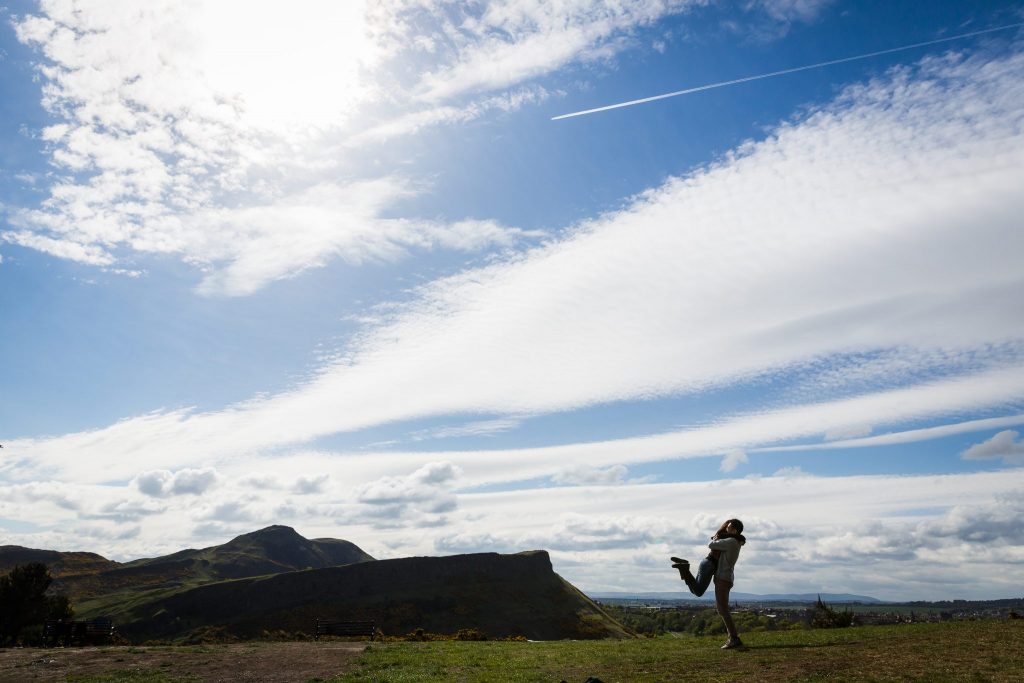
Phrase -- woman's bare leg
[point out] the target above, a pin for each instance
(722, 589)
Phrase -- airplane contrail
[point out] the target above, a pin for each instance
(746, 79)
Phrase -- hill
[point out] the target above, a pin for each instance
(60, 564)
(272, 550)
(274, 579)
(499, 595)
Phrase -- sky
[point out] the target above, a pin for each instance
(336, 267)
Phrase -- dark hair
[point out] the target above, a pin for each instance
(737, 524)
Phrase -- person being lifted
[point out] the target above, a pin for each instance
(718, 566)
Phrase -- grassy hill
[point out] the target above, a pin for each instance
(499, 595)
(275, 549)
(274, 579)
(60, 564)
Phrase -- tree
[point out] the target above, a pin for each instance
(823, 616)
(24, 602)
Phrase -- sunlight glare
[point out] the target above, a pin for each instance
(289, 66)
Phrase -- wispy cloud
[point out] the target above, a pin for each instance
(504, 43)
(701, 282)
(184, 132)
(908, 436)
(414, 121)
(237, 438)
(587, 475)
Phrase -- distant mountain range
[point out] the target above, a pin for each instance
(741, 597)
(276, 580)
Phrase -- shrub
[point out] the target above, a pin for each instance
(469, 634)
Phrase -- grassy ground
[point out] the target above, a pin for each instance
(958, 651)
(961, 651)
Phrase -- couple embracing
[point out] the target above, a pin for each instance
(718, 567)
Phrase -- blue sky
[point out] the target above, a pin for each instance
(340, 269)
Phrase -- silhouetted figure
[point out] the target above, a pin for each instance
(718, 567)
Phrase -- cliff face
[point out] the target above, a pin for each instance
(499, 595)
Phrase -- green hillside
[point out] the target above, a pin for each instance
(86, 577)
(60, 564)
(271, 550)
(499, 595)
(274, 579)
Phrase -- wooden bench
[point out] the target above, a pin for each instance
(329, 627)
(68, 633)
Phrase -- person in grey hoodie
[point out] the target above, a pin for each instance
(718, 566)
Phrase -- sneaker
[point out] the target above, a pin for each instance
(732, 643)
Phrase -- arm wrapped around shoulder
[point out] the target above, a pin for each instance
(726, 543)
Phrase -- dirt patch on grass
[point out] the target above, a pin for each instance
(256, 662)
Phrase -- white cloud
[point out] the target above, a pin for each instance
(1006, 445)
(609, 537)
(873, 521)
(506, 42)
(83, 253)
(185, 132)
(163, 483)
(419, 119)
(311, 484)
(59, 494)
(790, 472)
(127, 510)
(885, 221)
(733, 459)
(427, 491)
(788, 11)
(584, 475)
(235, 436)
(908, 436)
(475, 428)
(253, 246)
(230, 512)
(259, 481)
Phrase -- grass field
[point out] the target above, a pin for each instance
(957, 651)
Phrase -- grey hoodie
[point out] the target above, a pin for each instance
(730, 552)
